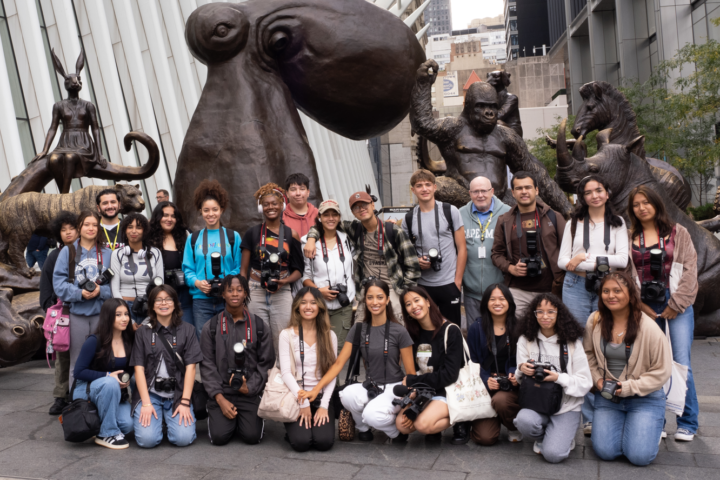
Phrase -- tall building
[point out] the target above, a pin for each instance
(527, 29)
(439, 16)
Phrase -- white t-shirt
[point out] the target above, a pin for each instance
(617, 252)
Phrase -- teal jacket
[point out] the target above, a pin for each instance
(195, 267)
(480, 273)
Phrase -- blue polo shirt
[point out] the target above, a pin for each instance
(483, 216)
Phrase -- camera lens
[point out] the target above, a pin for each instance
(216, 263)
(274, 258)
(125, 377)
(239, 348)
(433, 253)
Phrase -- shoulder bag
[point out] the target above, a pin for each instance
(346, 422)
(676, 386)
(278, 403)
(544, 398)
(80, 420)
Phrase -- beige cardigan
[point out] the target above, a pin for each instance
(683, 272)
(650, 363)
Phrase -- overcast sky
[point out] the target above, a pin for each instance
(463, 11)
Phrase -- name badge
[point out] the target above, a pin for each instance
(481, 252)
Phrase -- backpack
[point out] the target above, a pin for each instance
(56, 326)
(389, 234)
(447, 211)
(231, 238)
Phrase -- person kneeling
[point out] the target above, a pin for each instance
(629, 374)
(237, 353)
(550, 350)
(103, 373)
(168, 350)
(439, 362)
(310, 344)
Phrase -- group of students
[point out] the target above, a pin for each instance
(285, 291)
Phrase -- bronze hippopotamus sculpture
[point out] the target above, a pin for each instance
(349, 65)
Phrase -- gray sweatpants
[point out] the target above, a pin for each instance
(556, 432)
(273, 308)
(80, 327)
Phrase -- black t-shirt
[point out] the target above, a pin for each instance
(436, 366)
(111, 237)
(503, 352)
(292, 257)
(172, 259)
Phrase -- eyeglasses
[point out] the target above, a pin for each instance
(360, 206)
(549, 313)
(161, 301)
(475, 193)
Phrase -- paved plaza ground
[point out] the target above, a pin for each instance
(32, 446)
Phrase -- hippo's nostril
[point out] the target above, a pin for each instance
(38, 321)
(18, 331)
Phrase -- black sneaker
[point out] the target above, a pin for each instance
(461, 433)
(401, 438)
(57, 407)
(117, 442)
(434, 438)
(366, 436)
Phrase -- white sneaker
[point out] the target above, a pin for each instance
(684, 435)
(117, 442)
(572, 445)
(663, 434)
(587, 429)
(514, 436)
(537, 447)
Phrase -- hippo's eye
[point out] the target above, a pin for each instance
(278, 42)
(221, 30)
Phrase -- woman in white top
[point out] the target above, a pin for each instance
(332, 268)
(136, 265)
(313, 346)
(550, 334)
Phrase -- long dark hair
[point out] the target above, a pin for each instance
(141, 222)
(662, 219)
(581, 207)
(606, 317)
(326, 354)
(486, 321)
(156, 235)
(177, 314)
(567, 329)
(376, 282)
(411, 324)
(104, 332)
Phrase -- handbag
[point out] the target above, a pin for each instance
(544, 398)
(467, 398)
(346, 422)
(80, 420)
(278, 403)
(676, 386)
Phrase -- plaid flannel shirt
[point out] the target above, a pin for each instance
(402, 265)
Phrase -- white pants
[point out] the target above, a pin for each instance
(378, 413)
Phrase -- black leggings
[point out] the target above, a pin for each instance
(247, 423)
(322, 437)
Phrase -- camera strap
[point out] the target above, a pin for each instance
(661, 244)
(494, 350)
(519, 232)
(361, 232)
(179, 364)
(302, 355)
(586, 234)
(385, 349)
(263, 243)
(326, 256)
(628, 351)
(224, 329)
(437, 228)
(563, 355)
(98, 259)
(221, 234)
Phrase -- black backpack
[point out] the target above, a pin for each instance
(231, 238)
(447, 211)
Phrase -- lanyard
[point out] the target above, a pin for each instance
(248, 322)
(385, 350)
(302, 355)
(326, 257)
(114, 244)
(437, 229)
(494, 350)
(483, 229)
(661, 244)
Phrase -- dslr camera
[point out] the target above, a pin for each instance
(372, 388)
(435, 259)
(124, 393)
(342, 294)
(140, 304)
(608, 390)
(175, 278)
(216, 282)
(534, 262)
(593, 279)
(270, 273)
(504, 383)
(103, 279)
(423, 396)
(237, 373)
(654, 290)
(163, 384)
(542, 369)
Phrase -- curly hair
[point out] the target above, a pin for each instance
(606, 317)
(141, 222)
(567, 328)
(62, 218)
(211, 190)
(156, 235)
(270, 189)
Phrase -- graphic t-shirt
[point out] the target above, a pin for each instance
(543, 283)
(111, 237)
(374, 262)
(291, 259)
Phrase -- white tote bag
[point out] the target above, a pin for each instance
(278, 403)
(467, 398)
(676, 386)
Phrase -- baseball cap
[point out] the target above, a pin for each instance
(360, 197)
(328, 205)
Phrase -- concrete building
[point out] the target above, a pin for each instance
(535, 80)
(439, 16)
(438, 48)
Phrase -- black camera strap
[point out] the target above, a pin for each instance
(134, 268)
(179, 364)
(586, 234)
(221, 234)
(263, 244)
(563, 355)
(661, 244)
(437, 229)
(628, 351)
(302, 355)
(326, 256)
(495, 350)
(248, 333)
(361, 232)
(76, 260)
(519, 232)
(385, 349)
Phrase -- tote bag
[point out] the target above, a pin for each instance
(467, 398)
(278, 403)
(676, 386)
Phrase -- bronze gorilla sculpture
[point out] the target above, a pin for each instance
(348, 65)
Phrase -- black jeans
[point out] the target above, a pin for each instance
(447, 298)
(321, 437)
(247, 423)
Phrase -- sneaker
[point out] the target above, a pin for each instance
(401, 438)
(461, 433)
(663, 434)
(434, 438)
(57, 407)
(587, 428)
(572, 445)
(366, 436)
(537, 447)
(515, 436)
(684, 435)
(117, 442)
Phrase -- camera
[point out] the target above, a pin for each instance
(87, 285)
(342, 294)
(140, 304)
(124, 393)
(504, 383)
(534, 261)
(372, 388)
(608, 390)
(593, 279)
(163, 384)
(423, 396)
(237, 373)
(105, 277)
(216, 283)
(269, 276)
(175, 278)
(125, 377)
(654, 290)
(435, 259)
(542, 369)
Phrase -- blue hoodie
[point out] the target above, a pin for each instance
(196, 269)
(87, 264)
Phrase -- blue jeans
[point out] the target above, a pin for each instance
(631, 427)
(681, 333)
(38, 256)
(204, 309)
(581, 304)
(105, 394)
(151, 436)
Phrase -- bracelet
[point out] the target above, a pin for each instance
(186, 399)
(147, 404)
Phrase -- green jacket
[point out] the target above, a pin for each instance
(480, 273)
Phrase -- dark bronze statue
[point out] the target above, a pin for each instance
(624, 170)
(473, 144)
(348, 65)
(508, 103)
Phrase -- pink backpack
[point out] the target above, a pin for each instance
(57, 329)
